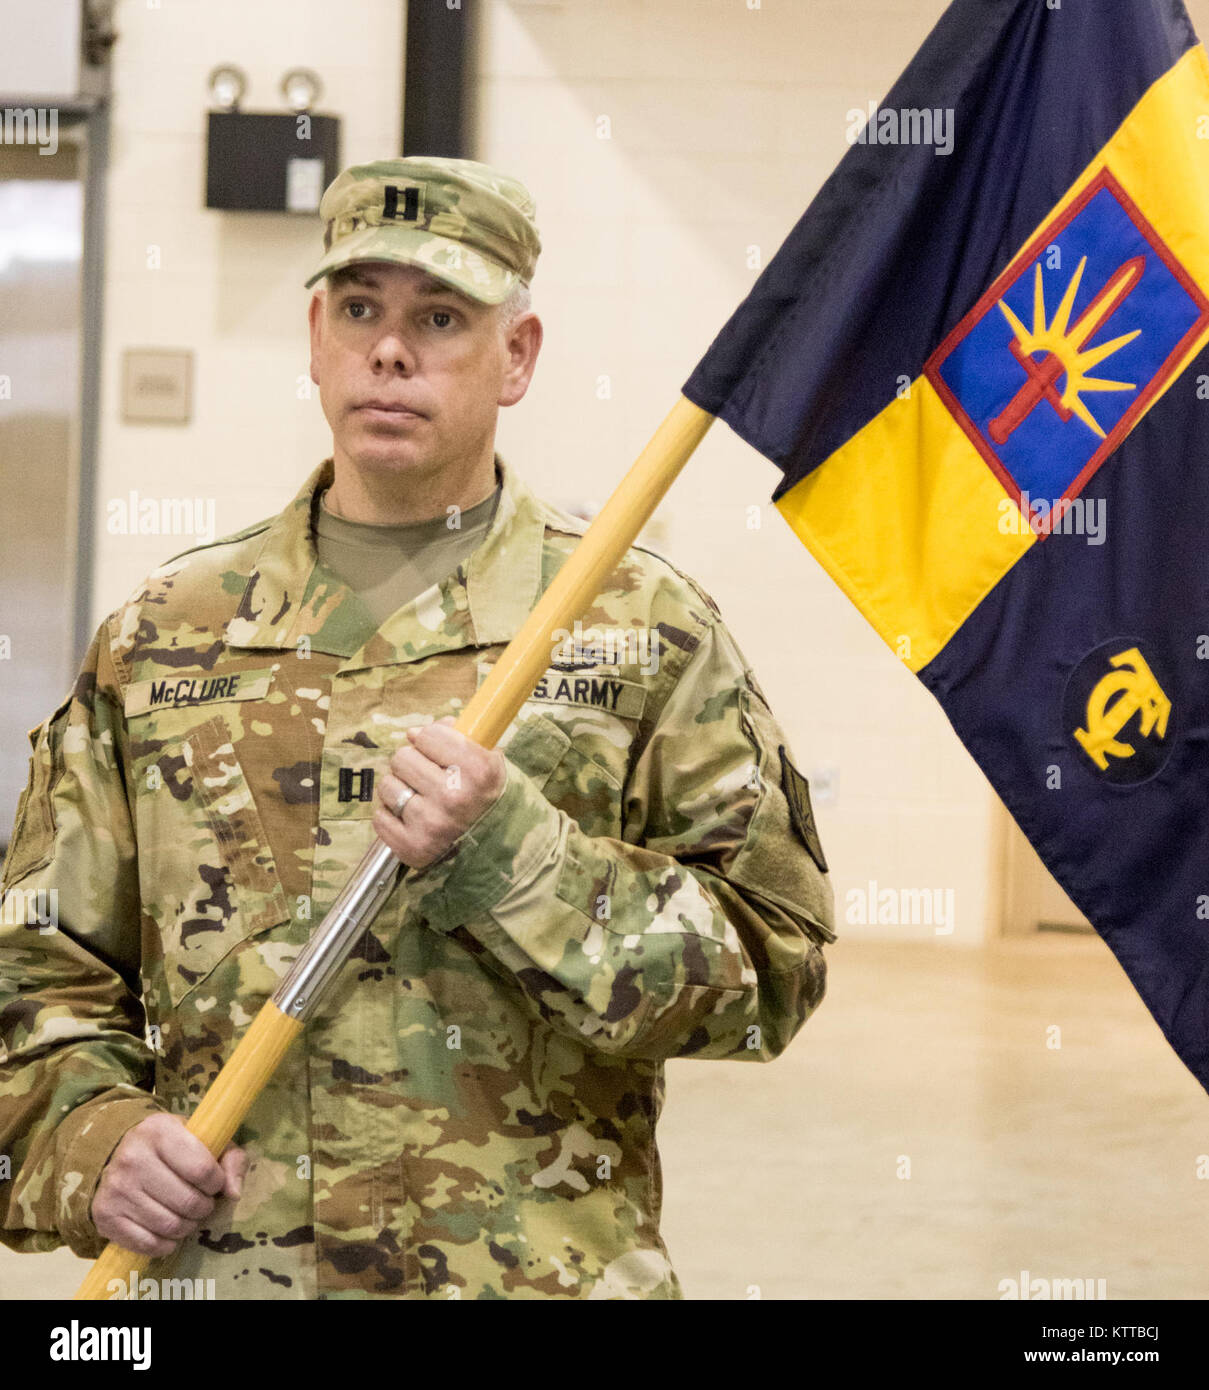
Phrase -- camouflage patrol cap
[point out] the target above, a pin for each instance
(464, 222)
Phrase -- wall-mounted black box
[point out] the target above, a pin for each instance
(270, 162)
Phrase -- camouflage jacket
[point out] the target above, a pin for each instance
(471, 1113)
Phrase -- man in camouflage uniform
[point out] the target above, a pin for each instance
(636, 876)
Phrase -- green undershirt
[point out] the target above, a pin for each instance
(389, 565)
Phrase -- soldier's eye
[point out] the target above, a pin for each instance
(442, 314)
(355, 304)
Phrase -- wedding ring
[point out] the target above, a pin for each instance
(408, 793)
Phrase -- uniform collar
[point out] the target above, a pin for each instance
(291, 602)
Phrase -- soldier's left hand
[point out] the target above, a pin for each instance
(455, 781)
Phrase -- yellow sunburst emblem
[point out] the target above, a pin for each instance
(1063, 351)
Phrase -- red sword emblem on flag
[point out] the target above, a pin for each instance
(1062, 350)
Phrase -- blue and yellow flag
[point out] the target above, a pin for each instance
(979, 360)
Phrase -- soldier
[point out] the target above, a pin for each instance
(635, 876)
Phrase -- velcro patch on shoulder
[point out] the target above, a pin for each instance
(801, 813)
(591, 691)
(172, 692)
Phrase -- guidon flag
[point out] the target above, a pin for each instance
(980, 365)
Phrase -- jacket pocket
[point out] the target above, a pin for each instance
(207, 875)
(536, 745)
(568, 777)
(33, 839)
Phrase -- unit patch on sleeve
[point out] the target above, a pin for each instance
(801, 813)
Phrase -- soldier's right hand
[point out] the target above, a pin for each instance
(160, 1184)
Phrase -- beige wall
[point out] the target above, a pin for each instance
(229, 285)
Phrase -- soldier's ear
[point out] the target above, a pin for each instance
(315, 314)
(522, 344)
